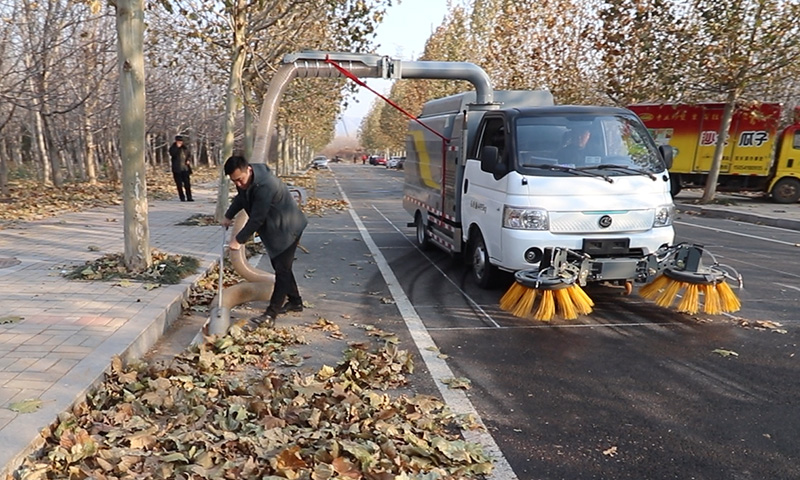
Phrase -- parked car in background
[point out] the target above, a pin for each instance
(380, 160)
(395, 162)
(319, 162)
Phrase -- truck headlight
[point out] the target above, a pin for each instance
(525, 218)
(664, 215)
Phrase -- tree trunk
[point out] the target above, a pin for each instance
(89, 156)
(3, 168)
(16, 153)
(719, 150)
(41, 148)
(130, 31)
(232, 97)
(249, 132)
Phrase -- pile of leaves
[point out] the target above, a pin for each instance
(224, 409)
(200, 220)
(206, 288)
(165, 269)
(319, 206)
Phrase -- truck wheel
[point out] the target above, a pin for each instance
(786, 190)
(422, 236)
(482, 270)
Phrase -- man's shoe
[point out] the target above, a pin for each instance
(291, 307)
(190, 199)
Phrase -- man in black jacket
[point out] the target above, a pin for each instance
(277, 218)
(181, 168)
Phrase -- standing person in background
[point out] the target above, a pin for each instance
(277, 218)
(181, 168)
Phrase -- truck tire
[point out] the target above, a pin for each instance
(482, 269)
(423, 241)
(786, 190)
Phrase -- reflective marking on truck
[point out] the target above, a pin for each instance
(432, 210)
(424, 160)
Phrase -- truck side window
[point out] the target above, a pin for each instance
(494, 135)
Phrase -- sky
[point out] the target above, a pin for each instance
(401, 35)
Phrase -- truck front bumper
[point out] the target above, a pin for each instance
(519, 247)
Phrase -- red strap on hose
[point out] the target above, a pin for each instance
(361, 83)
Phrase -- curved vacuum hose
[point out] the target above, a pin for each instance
(257, 286)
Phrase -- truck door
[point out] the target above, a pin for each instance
(485, 188)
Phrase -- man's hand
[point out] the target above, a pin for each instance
(226, 222)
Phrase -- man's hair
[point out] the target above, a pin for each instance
(235, 162)
(178, 138)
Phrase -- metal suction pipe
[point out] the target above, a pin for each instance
(315, 65)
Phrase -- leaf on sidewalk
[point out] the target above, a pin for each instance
(10, 319)
(26, 406)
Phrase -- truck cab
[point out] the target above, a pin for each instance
(590, 179)
(519, 179)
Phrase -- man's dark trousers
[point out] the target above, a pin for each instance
(182, 182)
(285, 284)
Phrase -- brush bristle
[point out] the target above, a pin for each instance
(525, 305)
(666, 297)
(728, 299)
(566, 308)
(690, 302)
(583, 304)
(711, 303)
(547, 307)
(512, 296)
(652, 289)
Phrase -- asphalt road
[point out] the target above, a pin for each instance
(632, 391)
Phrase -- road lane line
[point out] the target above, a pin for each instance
(456, 400)
(755, 237)
(464, 294)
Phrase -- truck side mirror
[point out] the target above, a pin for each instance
(488, 159)
(490, 162)
(667, 153)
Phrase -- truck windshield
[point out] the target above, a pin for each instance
(615, 144)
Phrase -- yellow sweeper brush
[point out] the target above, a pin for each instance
(717, 296)
(539, 296)
(686, 277)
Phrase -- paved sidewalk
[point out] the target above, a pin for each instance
(742, 207)
(68, 331)
(63, 333)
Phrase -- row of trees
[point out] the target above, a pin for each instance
(73, 77)
(612, 52)
(206, 65)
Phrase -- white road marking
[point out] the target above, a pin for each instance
(469, 299)
(456, 400)
(793, 287)
(756, 237)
